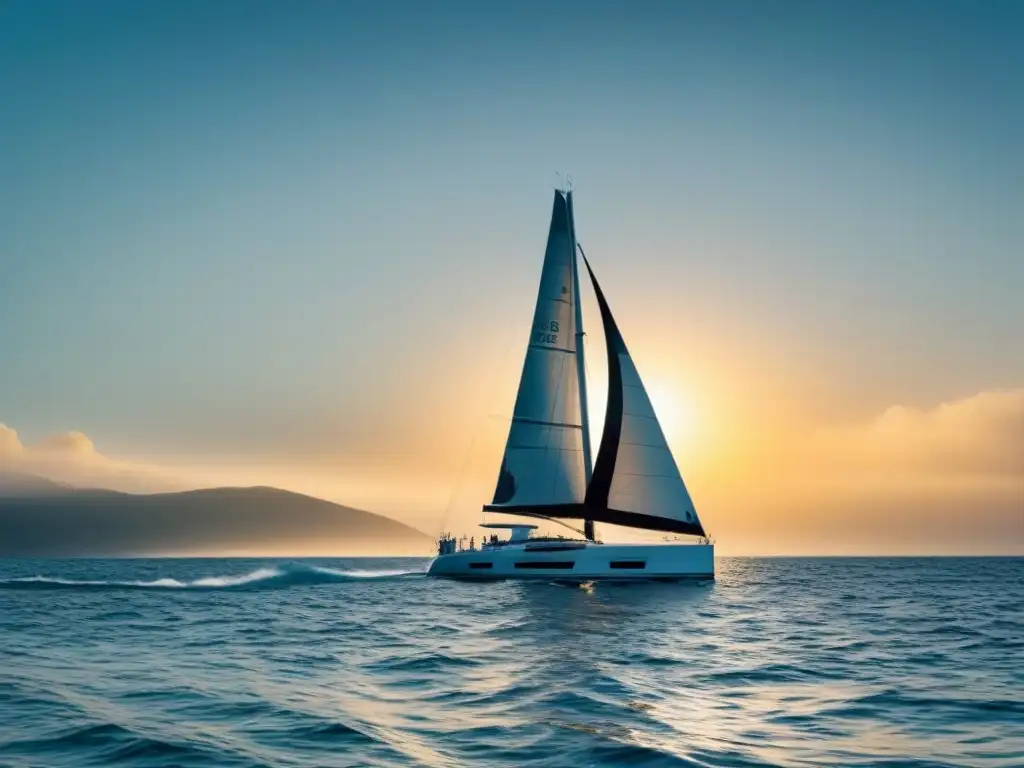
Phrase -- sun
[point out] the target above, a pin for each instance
(672, 404)
(674, 410)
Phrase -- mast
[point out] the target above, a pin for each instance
(581, 368)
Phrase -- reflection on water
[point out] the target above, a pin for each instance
(346, 663)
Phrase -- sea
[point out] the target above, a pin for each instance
(366, 662)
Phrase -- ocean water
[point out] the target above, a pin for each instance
(780, 662)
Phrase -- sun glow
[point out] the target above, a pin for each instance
(674, 408)
(675, 412)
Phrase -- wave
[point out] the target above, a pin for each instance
(278, 576)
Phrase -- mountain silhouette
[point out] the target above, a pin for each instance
(43, 519)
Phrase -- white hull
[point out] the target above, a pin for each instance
(576, 561)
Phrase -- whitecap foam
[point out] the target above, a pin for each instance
(291, 574)
(361, 574)
(165, 583)
(261, 574)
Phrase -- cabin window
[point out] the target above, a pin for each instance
(628, 564)
(554, 565)
(480, 565)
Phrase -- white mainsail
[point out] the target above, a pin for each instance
(543, 464)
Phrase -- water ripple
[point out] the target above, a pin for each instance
(846, 662)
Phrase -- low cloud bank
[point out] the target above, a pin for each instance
(978, 437)
(71, 458)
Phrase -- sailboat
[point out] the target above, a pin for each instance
(547, 470)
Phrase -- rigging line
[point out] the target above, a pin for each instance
(583, 377)
(461, 476)
(586, 343)
(586, 336)
(589, 379)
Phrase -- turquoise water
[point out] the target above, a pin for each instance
(782, 662)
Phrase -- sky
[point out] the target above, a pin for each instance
(298, 244)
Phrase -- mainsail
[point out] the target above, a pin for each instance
(543, 469)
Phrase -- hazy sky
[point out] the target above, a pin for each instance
(298, 244)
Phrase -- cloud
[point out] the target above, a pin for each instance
(938, 480)
(71, 444)
(10, 445)
(72, 458)
(978, 439)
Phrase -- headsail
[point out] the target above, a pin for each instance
(636, 481)
(542, 470)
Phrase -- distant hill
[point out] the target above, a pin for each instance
(37, 520)
(23, 484)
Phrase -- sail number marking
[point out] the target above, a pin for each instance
(545, 333)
